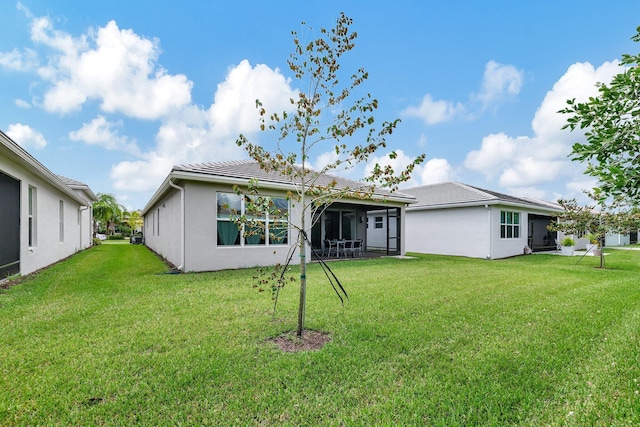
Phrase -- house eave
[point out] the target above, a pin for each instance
(480, 203)
(23, 158)
(177, 176)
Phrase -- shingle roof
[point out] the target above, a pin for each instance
(249, 169)
(72, 182)
(455, 193)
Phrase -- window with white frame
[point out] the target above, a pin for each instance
(509, 225)
(32, 216)
(61, 221)
(379, 222)
(266, 225)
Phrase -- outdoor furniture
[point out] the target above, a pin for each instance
(358, 248)
(330, 247)
(347, 247)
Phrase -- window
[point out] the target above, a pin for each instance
(379, 222)
(158, 222)
(32, 216)
(268, 228)
(509, 225)
(61, 221)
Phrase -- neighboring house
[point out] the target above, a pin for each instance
(187, 221)
(44, 217)
(620, 239)
(457, 219)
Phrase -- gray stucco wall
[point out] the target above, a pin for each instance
(202, 252)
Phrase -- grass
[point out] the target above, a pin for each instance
(105, 338)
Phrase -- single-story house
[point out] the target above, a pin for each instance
(44, 217)
(457, 219)
(188, 219)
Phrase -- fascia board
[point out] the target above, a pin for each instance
(270, 185)
(25, 159)
(529, 208)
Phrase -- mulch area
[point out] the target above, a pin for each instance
(311, 340)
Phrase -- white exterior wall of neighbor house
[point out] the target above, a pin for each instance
(202, 252)
(464, 231)
(48, 248)
(504, 247)
(616, 239)
(461, 232)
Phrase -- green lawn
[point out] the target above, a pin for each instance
(106, 338)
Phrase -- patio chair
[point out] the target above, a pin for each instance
(558, 245)
(347, 248)
(330, 247)
(358, 248)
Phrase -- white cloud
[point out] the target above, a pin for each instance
(141, 175)
(234, 106)
(524, 162)
(21, 103)
(26, 136)
(325, 159)
(116, 67)
(16, 60)
(194, 134)
(496, 151)
(432, 112)
(103, 133)
(499, 80)
(435, 171)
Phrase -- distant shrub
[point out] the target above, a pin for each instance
(96, 241)
(115, 237)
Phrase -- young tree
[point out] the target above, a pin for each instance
(107, 211)
(612, 123)
(322, 119)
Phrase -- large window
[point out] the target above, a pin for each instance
(32, 216)
(265, 226)
(509, 225)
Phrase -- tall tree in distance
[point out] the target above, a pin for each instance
(107, 211)
(612, 124)
(323, 117)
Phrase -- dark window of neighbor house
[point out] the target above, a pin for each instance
(266, 224)
(379, 222)
(509, 225)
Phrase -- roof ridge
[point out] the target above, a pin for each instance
(478, 190)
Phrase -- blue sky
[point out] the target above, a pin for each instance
(115, 93)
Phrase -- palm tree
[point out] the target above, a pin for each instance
(107, 211)
(134, 220)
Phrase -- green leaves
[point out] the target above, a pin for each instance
(612, 125)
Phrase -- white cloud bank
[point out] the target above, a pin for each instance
(521, 163)
(195, 134)
(119, 70)
(116, 67)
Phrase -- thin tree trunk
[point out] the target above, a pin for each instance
(303, 280)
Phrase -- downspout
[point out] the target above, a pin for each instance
(182, 238)
(490, 230)
(82, 208)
